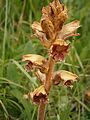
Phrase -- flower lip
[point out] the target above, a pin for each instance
(68, 83)
(59, 49)
(41, 97)
(29, 66)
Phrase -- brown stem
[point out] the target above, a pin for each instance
(41, 111)
(49, 75)
(48, 83)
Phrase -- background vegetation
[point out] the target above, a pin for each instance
(16, 39)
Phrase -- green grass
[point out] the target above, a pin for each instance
(16, 16)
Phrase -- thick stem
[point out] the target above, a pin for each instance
(41, 111)
(49, 75)
(48, 83)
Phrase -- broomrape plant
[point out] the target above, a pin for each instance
(53, 34)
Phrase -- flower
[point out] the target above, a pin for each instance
(69, 30)
(66, 77)
(35, 61)
(38, 95)
(59, 50)
(36, 26)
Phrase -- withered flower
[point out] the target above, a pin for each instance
(66, 77)
(35, 61)
(38, 95)
(56, 13)
(48, 28)
(69, 30)
(59, 50)
(40, 34)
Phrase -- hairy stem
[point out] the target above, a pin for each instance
(48, 83)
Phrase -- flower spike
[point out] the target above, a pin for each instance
(52, 33)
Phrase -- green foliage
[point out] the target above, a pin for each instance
(16, 39)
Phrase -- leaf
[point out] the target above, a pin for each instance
(26, 104)
(28, 47)
(12, 73)
(69, 30)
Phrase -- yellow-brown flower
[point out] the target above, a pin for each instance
(68, 30)
(36, 26)
(66, 77)
(38, 95)
(59, 50)
(35, 61)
